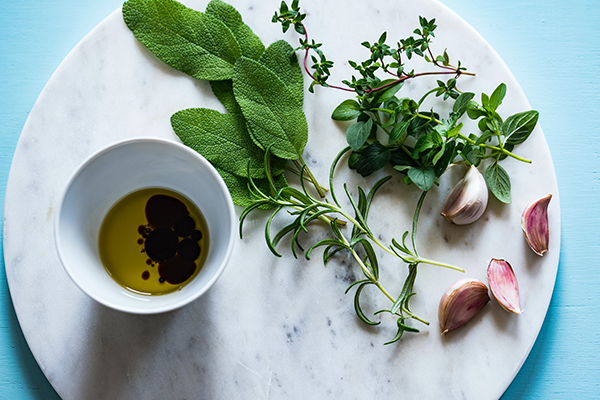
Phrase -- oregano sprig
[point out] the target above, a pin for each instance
(421, 143)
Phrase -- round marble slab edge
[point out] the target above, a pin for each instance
(270, 327)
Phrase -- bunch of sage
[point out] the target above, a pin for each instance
(260, 87)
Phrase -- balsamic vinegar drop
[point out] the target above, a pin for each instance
(153, 241)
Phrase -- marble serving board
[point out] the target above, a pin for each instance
(273, 328)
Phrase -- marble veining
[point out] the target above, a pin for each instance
(270, 328)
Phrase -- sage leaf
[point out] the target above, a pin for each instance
(498, 181)
(518, 127)
(423, 177)
(346, 111)
(250, 44)
(358, 133)
(281, 59)
(192, 42)
(273, 114)
(220, 136)
(223, 90)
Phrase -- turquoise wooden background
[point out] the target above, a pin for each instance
(553, 49)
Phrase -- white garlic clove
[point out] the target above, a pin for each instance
(461, 301)
(534, 222)
(503, 285)
(468, 199)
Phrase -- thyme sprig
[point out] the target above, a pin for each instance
(360, 242)
(368, 82)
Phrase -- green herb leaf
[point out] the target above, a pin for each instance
(423, 177)
(446, 155)
(223, 90)
(346, 111)
(498, 181)
(281, 59)
(425, 143)
(486, 125)
(353, 159)
(192, 42)
(358, 133)
(422, 126)
(219, 136)
(518, 127)
(461, 104)
(357, 307)
(250, 44)
(239, 188)
(398, 131)
(474, 110)
(386, 94)
(373, 158)
(272, 111)
(400, 158)
(497, 97)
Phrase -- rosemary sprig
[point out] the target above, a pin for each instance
(360, 242)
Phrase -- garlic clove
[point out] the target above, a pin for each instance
(534, 222)
(468, 199)
(503, 285)
(461, 301)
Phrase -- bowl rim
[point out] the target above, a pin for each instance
(230, 210)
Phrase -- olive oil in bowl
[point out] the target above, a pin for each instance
(153, 241)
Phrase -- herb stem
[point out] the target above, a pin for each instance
(306, 52)
(425, 96)
(337, 210)
(376, 282)
(450, 70)
(431, 118)
(414, 316)
(295, 172)
(421, 260)
(500, 149)
(404, 78)
(300, 164)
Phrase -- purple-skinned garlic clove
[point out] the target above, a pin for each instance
(468, 199)
(534, 222)
(503, 285)
(461, 301)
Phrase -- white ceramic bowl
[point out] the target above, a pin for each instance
(109, 175)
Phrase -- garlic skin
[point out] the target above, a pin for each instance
(503, 285)
(468, 199)
(534, 222)
(461, 301)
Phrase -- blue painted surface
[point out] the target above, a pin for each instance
(553, 49)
